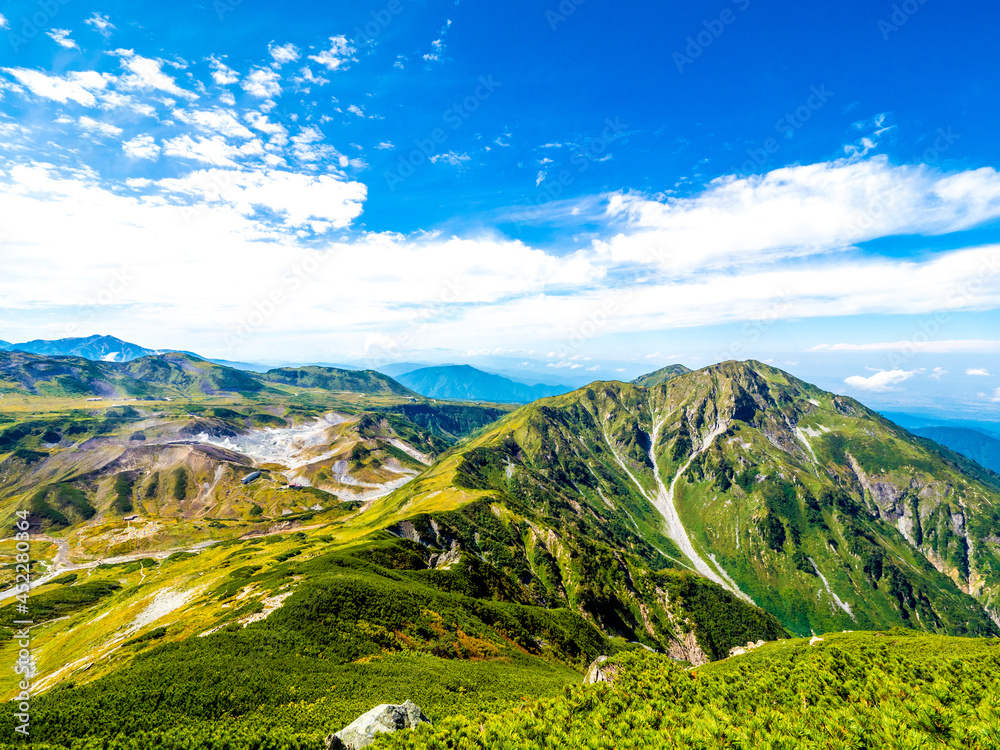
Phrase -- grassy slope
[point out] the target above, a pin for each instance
(858, 690)
(887, 518)
(364, 623)
(658, 377)
(173, 375)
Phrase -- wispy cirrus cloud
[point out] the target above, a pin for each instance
(79, 87)
(924, 347)
(61, 37)
(101, 24)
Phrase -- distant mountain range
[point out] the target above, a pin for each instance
(981, 448)
(173, 374)
(466, 383)
(95, 348)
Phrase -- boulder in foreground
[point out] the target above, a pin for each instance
(384, 718)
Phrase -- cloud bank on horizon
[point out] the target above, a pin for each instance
(396, 178)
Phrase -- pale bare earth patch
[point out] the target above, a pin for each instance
(164, 602)
(292, 447)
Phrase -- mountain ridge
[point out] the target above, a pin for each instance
(658, 377)
(467, 383)
(171, 374)
(784, 492)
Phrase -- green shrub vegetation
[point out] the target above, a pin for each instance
(894, 690)
(180, 484)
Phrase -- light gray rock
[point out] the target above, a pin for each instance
(600, 671)
(385, 718)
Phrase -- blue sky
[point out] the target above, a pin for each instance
(593, 189)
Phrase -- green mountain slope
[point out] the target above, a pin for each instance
(661, 376)
(466, 383)
(172, 375)
(805, 503)
(331, 379)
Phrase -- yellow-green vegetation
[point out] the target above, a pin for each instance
(293, 638)
(861, 690)
(819, 510)
(245, 604)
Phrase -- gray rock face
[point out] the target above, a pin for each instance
(600, 671)
(385, 718)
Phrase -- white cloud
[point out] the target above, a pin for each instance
(450, 157)
(96, 127)
(996, 395)
(307, 147)
(385, 145)
(341, 51)
(102, 24)
(77, 87)
(234, 225)
(354, 109)
(277, 131)
(61, 37)
(437, 49)
(923, 347)
(141, 147)
(219, 121)
(285, 53)
(306, 76)
(263, 83)
(3, 22)
(938, 373)
(978, 372)
(215, 150)
(145, 73)
(881, 381)
(798, 211)
(222, 74)
(299, 198)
